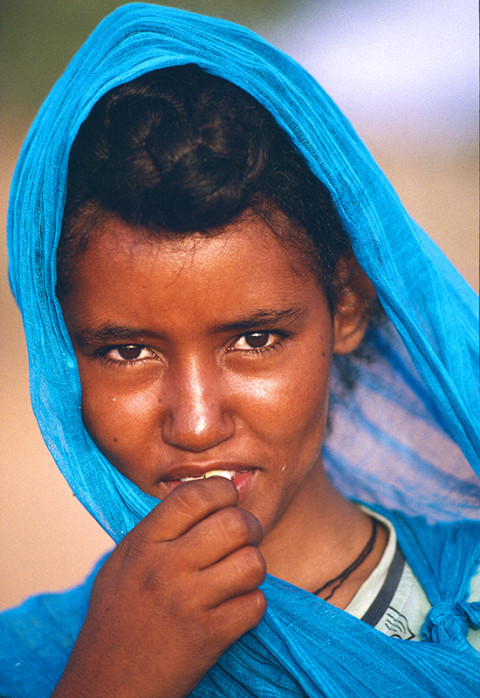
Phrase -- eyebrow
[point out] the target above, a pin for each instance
(265, 318)
(110, 334)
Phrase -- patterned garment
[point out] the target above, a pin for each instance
(392, 599)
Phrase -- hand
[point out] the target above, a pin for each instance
(174, 595)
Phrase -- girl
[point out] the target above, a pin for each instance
(193, 232)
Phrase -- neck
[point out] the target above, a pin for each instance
(319, 536)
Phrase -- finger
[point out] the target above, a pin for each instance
(237, 574)
(188, 504)
(220, 534)
(240, 614)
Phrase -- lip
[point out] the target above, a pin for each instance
(243, 478)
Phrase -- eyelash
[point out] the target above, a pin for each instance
(280, 336)
(103, 353)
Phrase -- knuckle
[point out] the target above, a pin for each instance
(154, 582)
(236, 525)
(256, 529)
(251, 609)
(245, 614)
(132, 547)
(251, 565)
(259, 605)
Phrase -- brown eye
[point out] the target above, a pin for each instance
(257, 340)
(254, 343)
(129, 352)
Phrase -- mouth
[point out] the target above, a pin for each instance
(240, 478)
(228, 474)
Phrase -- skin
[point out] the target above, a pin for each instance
(194, 355)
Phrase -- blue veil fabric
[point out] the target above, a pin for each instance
(409, 439)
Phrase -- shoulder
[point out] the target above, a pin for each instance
(418, 529)
(444, 556)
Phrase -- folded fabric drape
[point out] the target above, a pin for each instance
(408, 440)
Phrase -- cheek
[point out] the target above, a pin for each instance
(118, 421)
(289, 406)
(307, 403)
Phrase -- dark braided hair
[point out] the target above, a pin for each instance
(179, 150)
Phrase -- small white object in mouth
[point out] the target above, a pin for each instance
(229, 474)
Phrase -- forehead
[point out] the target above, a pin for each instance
(244, 266)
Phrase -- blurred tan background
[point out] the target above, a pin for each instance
(405, 73)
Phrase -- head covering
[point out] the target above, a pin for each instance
(409, 438)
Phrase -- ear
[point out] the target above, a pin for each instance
(355, 298)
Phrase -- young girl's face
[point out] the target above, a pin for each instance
(203, 354)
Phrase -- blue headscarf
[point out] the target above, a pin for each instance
(409, 440)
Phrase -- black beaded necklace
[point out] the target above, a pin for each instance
(339, 579)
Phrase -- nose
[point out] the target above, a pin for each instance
(196, 417)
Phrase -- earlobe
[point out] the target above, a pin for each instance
(355, 298)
